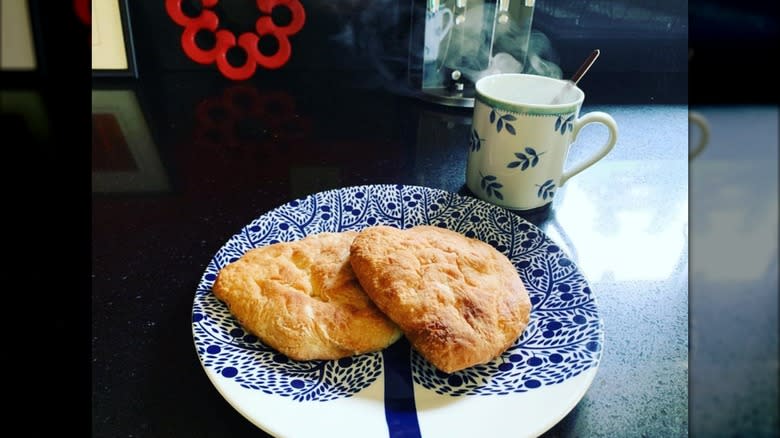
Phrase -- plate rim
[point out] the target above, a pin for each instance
(592, 371)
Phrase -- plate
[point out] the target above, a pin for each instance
(395, 392)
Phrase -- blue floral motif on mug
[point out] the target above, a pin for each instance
(502, 121)
(491, 186)
(546, 189)
(475, 142)
(532, 159)
(563, 125)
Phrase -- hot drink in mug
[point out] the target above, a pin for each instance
(520, 140)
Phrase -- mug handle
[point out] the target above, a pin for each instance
(594, 117)
(704, 127)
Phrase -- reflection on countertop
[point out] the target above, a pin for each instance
(24, 114)
(229, 153)
(734, 274)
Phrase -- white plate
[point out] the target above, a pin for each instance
(396, 392)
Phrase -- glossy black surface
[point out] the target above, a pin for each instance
(220, 154)
(191, 172)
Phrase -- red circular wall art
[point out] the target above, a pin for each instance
(82, 8)
(225, 39)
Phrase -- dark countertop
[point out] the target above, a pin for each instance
(189, 158)
(205, 168)
(734, 274)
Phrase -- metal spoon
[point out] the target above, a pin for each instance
(577, 75)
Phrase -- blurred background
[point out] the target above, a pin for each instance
(725, 75)
(733, 214)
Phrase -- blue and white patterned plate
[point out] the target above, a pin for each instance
(396, 392)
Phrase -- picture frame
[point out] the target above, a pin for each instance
(125, 158)
(113, 50)
(22, 52)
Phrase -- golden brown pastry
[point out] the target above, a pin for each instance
(458, 300)
(302, 298)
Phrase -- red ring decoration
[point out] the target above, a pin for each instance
(296, 10)
(174, 10)
(226, 39)
(208, 22)
(279, 58)
(248, 42)
(275, 108)
(82, 11)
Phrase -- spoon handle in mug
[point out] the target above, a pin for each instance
(594, 117)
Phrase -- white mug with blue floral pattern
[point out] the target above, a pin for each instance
(520, 140)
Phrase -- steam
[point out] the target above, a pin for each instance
(514, 49)
(539, 49)
(372, 32)
(536, 58)
(377, 32)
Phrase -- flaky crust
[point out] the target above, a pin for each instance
(302, 298)
(458, 300)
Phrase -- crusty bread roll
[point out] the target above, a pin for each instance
(302, 298)
(458, 300)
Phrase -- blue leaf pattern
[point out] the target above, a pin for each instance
(563, 125)
(532, 159)
(546, 190)
(475, 142)
(503, 121)
(562, 340)
(491, 185)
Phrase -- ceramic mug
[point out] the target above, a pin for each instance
(437, 26)
(520, 141)
(704, 133)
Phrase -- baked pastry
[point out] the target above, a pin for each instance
(302, 298)
(458, 300)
